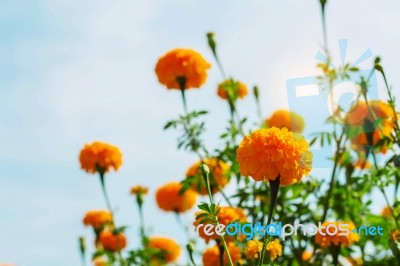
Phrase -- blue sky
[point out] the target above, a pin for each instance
(72, 72)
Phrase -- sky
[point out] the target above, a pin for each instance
(72, 72)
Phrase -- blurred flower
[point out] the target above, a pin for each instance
(219, 171)
(112, 241)
(169, 199)
(99, 261)
(226, 215)
(170, 250)
(139, 190)
(386, 212)
(306, 256)
(253, 248)
(274, 248)
(395, 235)
(211, 255)
(332, 234)
(283, 118)
(355, 261)
(361, 118)
(232, 90)
(100, 156)
(184, 64)
(267, 153)
(97, 218)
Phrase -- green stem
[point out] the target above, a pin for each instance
(220, 190)
(182, 86)
(141, 220)
(105, 194)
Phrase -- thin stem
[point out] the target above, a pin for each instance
(105, 194)
(182, 86)
(182, 225)
(220, 190)
(324, 29)
(141, 220)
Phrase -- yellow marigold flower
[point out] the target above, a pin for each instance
(169, 248)
(112, 241)
(306, 256)
(211, 255)
(359, 114)
(231, 90)
(283, 118)
(253, 249)
(386, 212)
(267, 153)
(226, 215)
(169, 199)
(330, 236)
(219, 172)
(100, 156)
(139, 190)
(182, 63)
(99, 261)
(274, 249)
(97, 218)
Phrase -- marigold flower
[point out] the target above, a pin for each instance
(253, 249)
(267, 153)
(139, 190)
(274, 249)
(386, 212)
(169, 199)
(306, 255)
(283, 118)
(112, 241)
(100, 156)
(232, 90)
(182, 63)
(170, 250)
(211, 255)
(395, 235)
(97, 218)
(332, 234)
(99, 261)
(360, 114)
(226, 215)
(219, 172)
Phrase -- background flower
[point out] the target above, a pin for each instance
(232, 89)
(168, 198)
(97, 218)
(100, 156)
(211, 256)
(112, 241)
(336, 239)
(285, 119)
(169, 248)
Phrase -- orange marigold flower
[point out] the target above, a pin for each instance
(184, 64)
(97, 218)
(283, 118)
(211, 255)
(395, 235)
(232, 90)
(253, 249)
(267, 153)
(306, 256)
(219, 172)
(274, 249)
(386, 212)
(100, 156)
(169, 199)
(226, 215)
(360, 114)
(331, 234)
(112, 241)
(99, 261)
(139, 190)
(170, 250)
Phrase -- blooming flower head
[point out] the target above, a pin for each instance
(139, 190)
(97, 218)
(169, 199)
(219, 172)
(232, 90)
(112, 241)
(226, 215)
(179, 64)
(362, 116)
(169, 249)
(211, 255)
(386, 212)
(253, 249)
(274, 249)
(306, 255)
(100, 156)
(330, 234)
(283, 118)
(266, 154)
